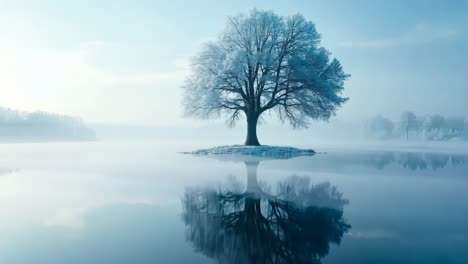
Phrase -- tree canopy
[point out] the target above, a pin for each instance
(262, 62)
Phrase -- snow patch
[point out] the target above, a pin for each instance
(260, 152)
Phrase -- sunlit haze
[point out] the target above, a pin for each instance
(123, 62)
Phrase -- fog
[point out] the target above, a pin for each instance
(132, 74)
(20, 126)
(109, 112)
(124, 198)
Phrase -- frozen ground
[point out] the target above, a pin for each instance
(260, 152)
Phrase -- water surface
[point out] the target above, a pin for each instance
(127, 202)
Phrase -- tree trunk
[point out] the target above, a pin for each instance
(252, 182)
(406, 133)
(252, 139)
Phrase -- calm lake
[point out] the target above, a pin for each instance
(144, 202)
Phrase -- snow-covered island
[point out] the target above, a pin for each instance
(255, 152)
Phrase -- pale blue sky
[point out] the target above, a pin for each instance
(124, 61)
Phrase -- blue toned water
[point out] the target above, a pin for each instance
(142, 202)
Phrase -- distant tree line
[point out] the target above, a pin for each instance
(39, 126)
(412, 127)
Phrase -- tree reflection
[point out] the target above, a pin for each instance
(416, 160)
(296, 225)
(412, 161)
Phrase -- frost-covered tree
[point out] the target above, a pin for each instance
(381, 127)
(264, 62)
(433, 127)
(454, 126)
(409, 122)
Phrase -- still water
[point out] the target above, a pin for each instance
(143, 202)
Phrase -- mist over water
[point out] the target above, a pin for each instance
(120, 202)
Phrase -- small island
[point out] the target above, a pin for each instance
(254, 152)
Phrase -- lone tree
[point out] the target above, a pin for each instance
(263, 62)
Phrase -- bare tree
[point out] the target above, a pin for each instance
(264, 62)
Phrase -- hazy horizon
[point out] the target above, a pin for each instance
(99, 164)
(124, 63)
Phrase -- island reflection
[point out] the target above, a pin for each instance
(296, 224)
